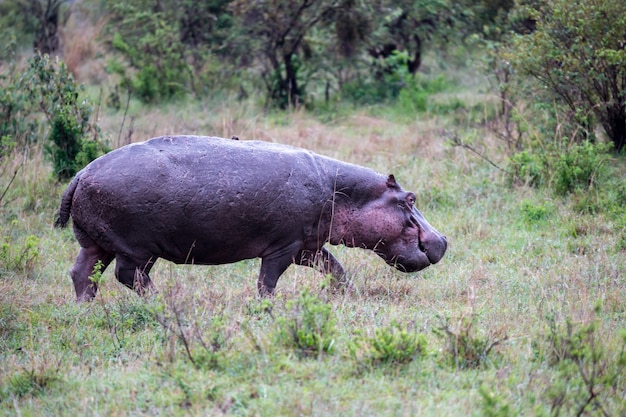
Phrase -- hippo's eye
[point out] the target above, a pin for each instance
(410, 199)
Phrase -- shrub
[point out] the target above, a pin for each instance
(47, 87)
(18, 253)
(393, 344)
(30, 382)
(528, 168)
(581, 167)
(533, 214)
(415, 95)
(588, 374)
(465, 349)
(309, 327)
(54, 87)
(576, 53)
(18, 124)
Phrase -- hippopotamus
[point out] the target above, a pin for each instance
(209, 201)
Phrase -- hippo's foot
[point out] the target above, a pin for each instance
(84, 269)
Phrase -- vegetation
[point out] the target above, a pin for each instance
(523, 316)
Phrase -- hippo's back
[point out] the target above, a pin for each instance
(201, 199)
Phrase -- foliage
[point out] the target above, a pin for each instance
(574, 169)
(577, 54)
(390, 345)
(34, 22)
(29, 383)
(309, 327)
(203, 342)
(18, 125)
(47, 88)
(18, 254)
(465, 349)
(165, 46)
(588, 375)
(529, 168)
(276, 32)
(533, 214)
(52, 86)
(581, 167)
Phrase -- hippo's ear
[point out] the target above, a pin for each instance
(391, 181)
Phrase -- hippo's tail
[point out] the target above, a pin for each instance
(66, 203)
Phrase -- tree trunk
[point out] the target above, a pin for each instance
(291, 81)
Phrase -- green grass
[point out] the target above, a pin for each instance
(206, 346)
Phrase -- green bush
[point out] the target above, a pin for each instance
(533, 214)
(54, 87)
(47, 88)
(576, 54)
(588, 374)
(31, 382)
(581, 167)
(309, 327)
(464, 348)
(19, 125)
(528, 168)
(393, 344)
(415, 95)
(18, 253)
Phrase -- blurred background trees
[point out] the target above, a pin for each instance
(557, 68)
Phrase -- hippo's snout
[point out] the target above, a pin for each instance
(422, 246)
(434, 248)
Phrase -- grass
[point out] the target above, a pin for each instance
(206, 346)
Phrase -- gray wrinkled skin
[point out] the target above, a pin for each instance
(206, 200)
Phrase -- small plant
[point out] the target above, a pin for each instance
(29, 382)
(493, 405)
(393, 344)
(588, 375)
(309, 327)
(52, 86)
(203, 342)
(528, 168)
(18, 254)
(464, 349)
(18, 126)
(581, 167)
(533, 214)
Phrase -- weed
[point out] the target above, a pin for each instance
(309, 327)
(581, 167)
(393, 344)
(589, 377)
(173, 311)
(533, 214)
(465, 349)
(30, 382)
(18, 254)
(493, 405)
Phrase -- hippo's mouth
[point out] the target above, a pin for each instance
(416, 262)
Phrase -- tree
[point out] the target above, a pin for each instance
(39, 19)
(276, 30)
(167, 43)
(577, 52)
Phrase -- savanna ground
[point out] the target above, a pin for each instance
(523, 316)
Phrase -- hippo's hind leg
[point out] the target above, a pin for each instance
(83, 269)
(326, 263)
(133, 273)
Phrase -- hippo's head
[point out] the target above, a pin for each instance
(394, 229)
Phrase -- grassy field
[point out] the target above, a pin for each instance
(523, 316)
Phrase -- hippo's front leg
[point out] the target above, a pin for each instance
(326, 263)
(272, 267)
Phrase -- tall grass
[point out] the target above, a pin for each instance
(519, 261)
